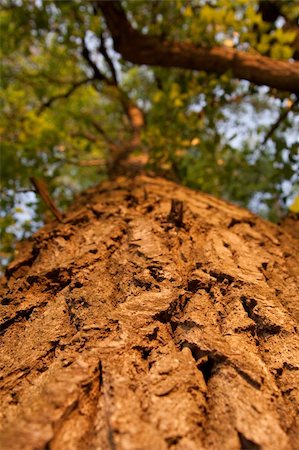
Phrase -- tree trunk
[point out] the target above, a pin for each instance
(153, 318)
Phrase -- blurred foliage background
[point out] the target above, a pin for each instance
(66, 98)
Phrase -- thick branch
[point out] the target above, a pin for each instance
(146, 49)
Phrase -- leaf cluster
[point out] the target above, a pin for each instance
(66, 98)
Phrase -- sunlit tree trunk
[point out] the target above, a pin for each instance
(152, 318)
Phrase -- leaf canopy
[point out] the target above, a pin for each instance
(69, 102)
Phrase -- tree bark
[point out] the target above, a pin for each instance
(155, 317)
(139, 48)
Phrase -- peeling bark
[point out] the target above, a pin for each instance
(155, 317)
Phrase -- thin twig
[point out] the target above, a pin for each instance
(42, 190)
(97, 74)
(82, 162)
(84, 134)
(89, 163)
(103, 51)
(100, 130)
(279, 120)
(24, 191)
(66, 94)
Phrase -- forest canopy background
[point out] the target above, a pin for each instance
(79, 95)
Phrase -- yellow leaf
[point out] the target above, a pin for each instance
(188, 11)
(295, 205)
(157, 96)
(178, 102)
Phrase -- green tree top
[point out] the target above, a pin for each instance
(205, 90)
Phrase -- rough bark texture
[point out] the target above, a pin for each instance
(155, 317)
(139, 48)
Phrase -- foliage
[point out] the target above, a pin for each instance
(60, 115)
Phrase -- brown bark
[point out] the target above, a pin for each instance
(151, 50)
(154, 318)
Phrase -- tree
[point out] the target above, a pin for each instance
(204, 128)
(149, 315)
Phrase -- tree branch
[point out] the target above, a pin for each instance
(280, 119)
(84, 162)
(42, 190)
(133, 112)
(91, 163)
(66, 94)
(103, 51)
(97, 74)
(138, 48)
(84, 134)
(100, 130)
